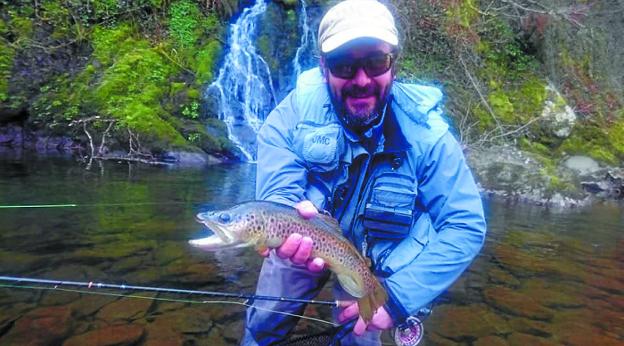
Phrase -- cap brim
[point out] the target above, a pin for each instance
(346, 36)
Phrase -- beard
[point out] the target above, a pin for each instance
(359, 116)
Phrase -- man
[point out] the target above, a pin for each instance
(378, 156)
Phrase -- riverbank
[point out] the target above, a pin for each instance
(130, 82)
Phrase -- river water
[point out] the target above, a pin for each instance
(543, 277)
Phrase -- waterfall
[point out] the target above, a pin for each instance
(244, 85)
(306, 44)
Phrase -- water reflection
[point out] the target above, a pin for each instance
(543, 277)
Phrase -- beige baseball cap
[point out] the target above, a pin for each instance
(353, 19)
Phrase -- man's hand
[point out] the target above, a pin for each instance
(381, 319)
(298, 248)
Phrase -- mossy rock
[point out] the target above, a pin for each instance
(466, 322)
(516, 303)
(615, 134)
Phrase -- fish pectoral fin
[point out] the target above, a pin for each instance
(349, 283)
(366, 309)
(369, 303)
(261, 248)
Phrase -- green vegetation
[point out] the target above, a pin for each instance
(145, 64)
(6, 62)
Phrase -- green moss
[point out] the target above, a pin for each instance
(501, 105)
(534, 147)
(205, 61)
(615, 134)
(176, 88)
(109, 43)
(514, 104)
(22, 26)
(105, 8)
(184, 23)
(193, 94)
(589, 139)
(131, 91)
(463, 12)
(7, 53)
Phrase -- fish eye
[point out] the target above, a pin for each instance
(225, 217)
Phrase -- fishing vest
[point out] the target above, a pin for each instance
(373, 193)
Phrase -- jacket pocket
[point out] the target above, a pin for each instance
(319, 145)
(398, 255)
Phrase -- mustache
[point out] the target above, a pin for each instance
(360, 91)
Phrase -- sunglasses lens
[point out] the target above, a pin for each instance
(342, 69)
(374, 66)
(378, 65)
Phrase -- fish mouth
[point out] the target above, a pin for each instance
(221, 239)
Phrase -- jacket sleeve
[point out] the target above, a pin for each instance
(448, 193)
(281, 174)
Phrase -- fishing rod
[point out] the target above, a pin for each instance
(74, 205)
(100, 285)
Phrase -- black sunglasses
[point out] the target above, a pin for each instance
(346, 68)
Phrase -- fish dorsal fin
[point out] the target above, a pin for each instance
(350, 285)
(328, 223)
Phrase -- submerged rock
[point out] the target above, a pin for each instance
(518, 304)
(43, 326)
(521, 339)
(120, 335)
(88, 304)
(490, 340)
(126, 309)
(467, 322)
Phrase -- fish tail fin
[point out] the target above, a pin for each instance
(369, 303)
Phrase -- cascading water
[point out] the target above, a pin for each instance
(244, 85)
(307, 43)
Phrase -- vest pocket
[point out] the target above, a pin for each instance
(389, 211)
(321, 145)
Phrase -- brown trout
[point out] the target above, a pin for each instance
(266, 225)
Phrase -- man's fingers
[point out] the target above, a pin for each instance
(316, 265)
(290, 246)
(306, 209)
(303, 252)
(265, 252)
(360, 327)
(348, 313)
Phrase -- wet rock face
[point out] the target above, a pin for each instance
(509, 172)
(611, 185)
(13, 136)
(558, 118)
(37, 66)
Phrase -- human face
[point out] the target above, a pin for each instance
(359, 98)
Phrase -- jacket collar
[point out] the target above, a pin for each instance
(394, 137)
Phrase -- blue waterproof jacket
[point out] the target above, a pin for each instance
(405, 198)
